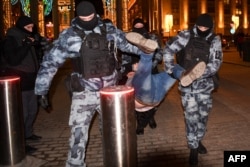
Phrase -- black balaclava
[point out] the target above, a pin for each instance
(204, 20)
(23, 21)
(85, 9)
(143, 31)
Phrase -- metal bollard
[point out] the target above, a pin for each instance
(12, 144)
(119, 124)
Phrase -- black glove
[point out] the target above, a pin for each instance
(44, 103)
(157, 58)
(27, 41)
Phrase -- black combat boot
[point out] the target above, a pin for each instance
(151, 121)
(193, 157)
(202, 149)
(142, 121)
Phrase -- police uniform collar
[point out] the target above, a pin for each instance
(96, 30)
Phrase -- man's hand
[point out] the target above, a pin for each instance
(44, 103)
(28, 41)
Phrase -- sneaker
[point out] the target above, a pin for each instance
(146, 45)
(195, 73)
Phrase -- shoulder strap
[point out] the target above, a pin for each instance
(79, 32)
(103, 29)
(192, 36)
(83, 35)
(191, 32)
(210, 39)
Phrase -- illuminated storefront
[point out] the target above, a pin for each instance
(153, 12)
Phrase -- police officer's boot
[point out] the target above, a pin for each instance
(202, 149)
(193, 157)
(151, 121)
(142, 122)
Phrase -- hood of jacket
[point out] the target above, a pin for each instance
(18, 34)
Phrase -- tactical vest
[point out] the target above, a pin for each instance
(97, 57)
(196, 50)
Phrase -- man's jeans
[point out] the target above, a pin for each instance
(152, 88)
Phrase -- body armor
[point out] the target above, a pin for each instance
(97, 57)
(196, 50)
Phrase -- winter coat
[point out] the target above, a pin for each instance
(21, 58)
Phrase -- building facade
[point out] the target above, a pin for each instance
(227, 14)
(164, 16)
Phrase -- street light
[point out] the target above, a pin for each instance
(168, 22)
(234, 24)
